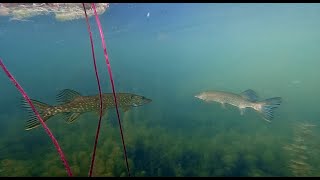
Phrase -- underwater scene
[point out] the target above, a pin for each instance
(202, 89)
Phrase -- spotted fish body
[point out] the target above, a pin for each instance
(246, 99)
(74, 104)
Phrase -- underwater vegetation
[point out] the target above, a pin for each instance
(301, 150)
(172, 140)
(152, 151)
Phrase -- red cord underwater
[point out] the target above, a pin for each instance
(46, 128)
(112, 84)
(100, 93)
(55, 142)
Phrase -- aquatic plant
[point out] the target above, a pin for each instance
(37, 115)
(157, 151)
(13, 168)
(299, 148)
(28, 10)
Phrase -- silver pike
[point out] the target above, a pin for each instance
(246, 99)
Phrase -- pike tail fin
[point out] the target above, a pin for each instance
(43, 110)
(268, 106)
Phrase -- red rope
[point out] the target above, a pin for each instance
(112, 84)
(100, 94)
(46, 128)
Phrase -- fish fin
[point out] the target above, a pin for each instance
(41, 108)
(67, 95)
(223, 105)
(242, 111)
(126, 108)
(65, 116)
(70, 117)
(250, 95)
(268, 106)
(98, 112)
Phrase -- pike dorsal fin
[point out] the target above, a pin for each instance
(67, 95)
(250, 95)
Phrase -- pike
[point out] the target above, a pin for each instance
(246, 99)
(73, 104)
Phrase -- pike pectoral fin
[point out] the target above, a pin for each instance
(242, 110)
(71, 117)
(223, 105)
(126, 108)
